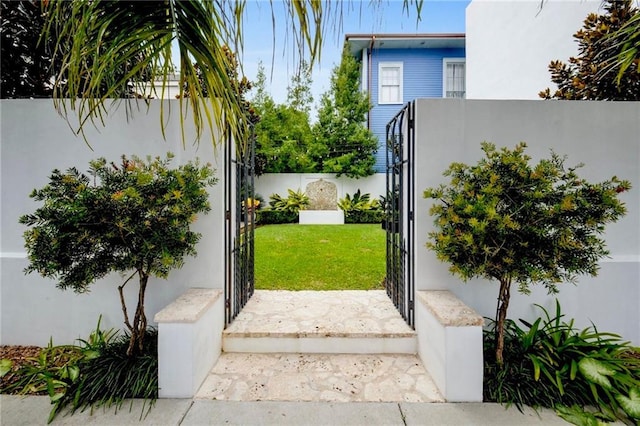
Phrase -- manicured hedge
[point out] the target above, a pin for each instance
(266, 217)
(364, 216)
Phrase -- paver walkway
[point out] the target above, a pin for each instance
(332, 320)
(319, 377)
(348, 313)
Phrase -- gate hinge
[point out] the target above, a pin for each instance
(227, 215)
(411, 215)
(410, 123)
(227, 303)
(411, 304)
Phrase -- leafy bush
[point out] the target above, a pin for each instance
(520, 224)
(257, 202)
(133, 217)
(113, 376)
(549, 363)
(359, 202)
(360, 208)
(51, 372)
(97, 372)
(296, 201)
(366, 216)
(268, 217)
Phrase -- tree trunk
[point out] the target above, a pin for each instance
(139, 326)
(503, 305)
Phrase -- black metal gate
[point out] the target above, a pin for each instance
(399, 207)
(240, 220)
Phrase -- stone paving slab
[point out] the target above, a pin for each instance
(319, 377)
(345, 313)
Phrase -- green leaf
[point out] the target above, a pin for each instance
(577, 415)
(631, 404)
(536, 366)
(596, 371)
(74, 372)
(57, 396)
(5, 366)
(559, 382)
(574, 369)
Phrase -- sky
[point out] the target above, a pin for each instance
(359, 17)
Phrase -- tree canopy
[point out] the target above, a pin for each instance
(506, 220)
(141, 34)
(349, 147)
(26, 63)
(133, 216)
(607, 66)
(283, 134)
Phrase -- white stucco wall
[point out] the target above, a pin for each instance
(35, 139)
(279, 183)
(605, 136)
(510, 44)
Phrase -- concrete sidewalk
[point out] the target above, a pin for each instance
(34, 410)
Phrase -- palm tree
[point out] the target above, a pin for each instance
(105, 46)
(628, 55)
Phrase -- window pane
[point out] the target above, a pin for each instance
(390, 94)
(455, 80)
(390, 76)
(390, 82)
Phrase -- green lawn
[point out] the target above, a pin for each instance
(319, 257)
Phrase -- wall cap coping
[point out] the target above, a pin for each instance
(189, 307)
(448, 309)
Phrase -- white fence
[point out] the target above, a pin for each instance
(35, 140)
(279, 183)
(603, 135)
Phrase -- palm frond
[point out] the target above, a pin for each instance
(108, 48)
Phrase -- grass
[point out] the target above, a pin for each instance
(319, 257)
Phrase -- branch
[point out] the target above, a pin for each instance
(123, 303)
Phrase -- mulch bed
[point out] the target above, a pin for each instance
(19, 355)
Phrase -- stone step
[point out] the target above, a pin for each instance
(359, 322)
(319, 377)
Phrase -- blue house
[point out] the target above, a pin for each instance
(398, 68)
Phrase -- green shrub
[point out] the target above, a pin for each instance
(113, 376)
(296, 201)
(370, 216)
(549, 363)
(521, 224)
(360, 208)
(51, 372)
(134, 217)
(95, 372)
(269, 217)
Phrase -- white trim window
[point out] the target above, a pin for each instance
(454, 80)
(390, 83)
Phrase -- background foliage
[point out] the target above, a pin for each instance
(349, 147)
(594, 74)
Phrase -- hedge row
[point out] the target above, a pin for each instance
(267, 217)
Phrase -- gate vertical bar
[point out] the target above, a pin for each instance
(399, 205)
(410, 195)
(229, 173)
(240, 215)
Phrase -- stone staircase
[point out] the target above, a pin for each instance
(336, 346)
